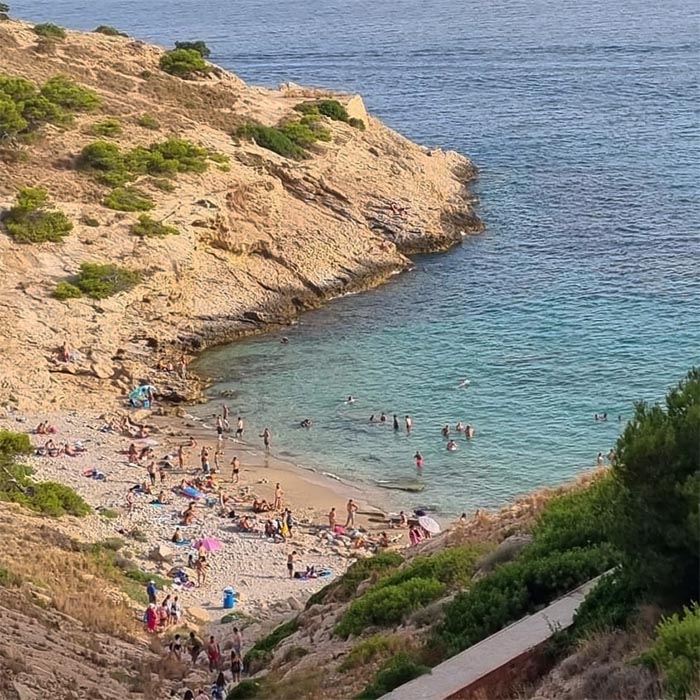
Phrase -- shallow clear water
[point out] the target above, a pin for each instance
(581, 296)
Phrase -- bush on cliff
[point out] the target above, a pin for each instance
(184, 63)
(108, 31)
(148, 122)
(31, 220)
(66, 290)
(150, 228)
(199, 46)
(398, 670)
(108, 128)
(16, 484)
(272, 139)
(128, 199)
(676, 652)
(388, 606)
(49, 31)
(344, 587)
(24, 108)
(101, 281)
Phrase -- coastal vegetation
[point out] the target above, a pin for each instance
(18, 486)
(98, 282)
(292, 139)
(48, 30)
(184, 63)
(128, 199)
(150, 228)
(32, 220)
(24, 108)
(108, 164)
(329, 108)
(108, 31)
(199, 46)
(108, 128)
(147, 121)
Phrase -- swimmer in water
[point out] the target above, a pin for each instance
(396, 423)
(371, 419)
(468, 431)
(459, 427)
(446, 431)
(419, 459)
(451, 445)
(409, 424)
(306, 423)
(284, 340)
(464, 384)
(350, 399)
(382, 418)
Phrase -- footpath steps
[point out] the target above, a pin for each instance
(456, 675)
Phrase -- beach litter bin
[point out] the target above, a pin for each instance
(229, 598)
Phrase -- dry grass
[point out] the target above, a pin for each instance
(46, 561)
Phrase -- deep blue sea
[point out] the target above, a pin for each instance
(583, 294)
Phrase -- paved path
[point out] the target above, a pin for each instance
(493, 652)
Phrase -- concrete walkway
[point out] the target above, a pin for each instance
(495, 651)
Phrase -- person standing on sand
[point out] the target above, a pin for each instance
(201, 569)
(352, 509)
(277, 505)
(239, 428)
(290, 563)
(151, 468)
(235, 469)
(266, 435)
(331, 519)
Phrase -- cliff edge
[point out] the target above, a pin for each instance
(260, 236)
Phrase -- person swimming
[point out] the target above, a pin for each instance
(306, 423)
(396, 422)
(446, 431)
(419, 459)
(459, 427)
(350, 399)
(382, 418)
(464, 383)
(451, 445)
(468, 431)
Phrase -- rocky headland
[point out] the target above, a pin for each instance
(261, 236)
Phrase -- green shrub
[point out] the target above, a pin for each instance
(108, 127)
(109, 514)
(108, 31)
(453, 567)
(29, 221)
(513, 591)
(578, 519)
(388, 606)
(183, 63)
(304, 135)
(66, 290)
(656, 523)
(128, 199)
(49, 31)
(11, 120)
(368, 650)
(610, 605)
(162, 184)
(257, 659)
(150, 228)
(397, 671)
(245, 690)
(148, 122)
(357, 123)
(344, 587)
(328, 108)
(676, 652)
(8, 579)
(272, 139)
(64, 92)
(90, 221)
(102, 281)
(17, 485)
(199, 46)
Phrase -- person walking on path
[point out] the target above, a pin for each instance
(290, 563)
(213, 654)
(151, 592)
(352, 509)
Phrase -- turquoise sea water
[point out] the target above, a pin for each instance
(582, 295)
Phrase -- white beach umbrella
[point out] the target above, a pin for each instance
(429, 525)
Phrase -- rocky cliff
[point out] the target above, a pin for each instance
(261, 237)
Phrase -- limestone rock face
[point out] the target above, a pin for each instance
(261, 237)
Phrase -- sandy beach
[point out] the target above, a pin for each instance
(252, 565)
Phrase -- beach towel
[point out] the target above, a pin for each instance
(191, 492)
(182, 543)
